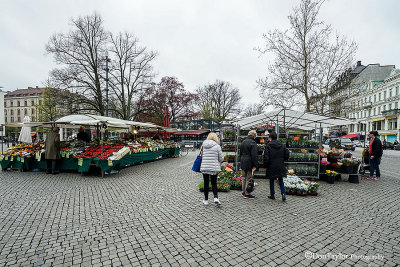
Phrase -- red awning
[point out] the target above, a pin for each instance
(349, 136)
(193, 132)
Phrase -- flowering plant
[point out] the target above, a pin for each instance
(331, 173)
(236, 183)
(324, 162)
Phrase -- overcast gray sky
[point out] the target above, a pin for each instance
(198, 41)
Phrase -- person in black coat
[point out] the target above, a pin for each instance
(82, 135)
(275, 155)
(248, 163)
(375, 154)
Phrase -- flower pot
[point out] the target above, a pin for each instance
(355, 169)
(349, 169)
(330, 179)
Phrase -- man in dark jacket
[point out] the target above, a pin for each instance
(248, 163)
(375, 155)
(275, 155)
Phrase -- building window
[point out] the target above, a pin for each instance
(6, 120)
(379, 98)
(11, 102)
(397, 90)
(32, 103)
(369, 99)
(392, 124)
(33, 111)
(374, 98)
(18, 112)
(26, 103)
(374, 111)
(12, 119)
(40, 102)
(19, 119)
(379, 110)
(369, 113)
(396, 105)
(384, 107)
(18, 103)
(384, 95)
(26, 111)
(12, 112)
(5, 104)
(5, 112)
(390, 106)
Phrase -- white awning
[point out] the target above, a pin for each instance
(291, 119)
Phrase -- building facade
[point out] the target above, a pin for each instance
(2, 118)
(377, 108)
(21, 103)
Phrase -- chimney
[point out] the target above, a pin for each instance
(358, 63)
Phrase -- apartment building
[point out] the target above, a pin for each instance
(377, 107)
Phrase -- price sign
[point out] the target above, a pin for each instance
(18, 159)
(22, 160)
(80, 161)
(37, 155)
(63, 154)
(110, 163)
(67, 155)
(6, 158)
(130, 152)
(1, 157)
(12, 158)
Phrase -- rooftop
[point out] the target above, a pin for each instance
(30, 91)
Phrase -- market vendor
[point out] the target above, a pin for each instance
(52, 150)
(82, 135)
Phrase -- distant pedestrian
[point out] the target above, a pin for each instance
(52, 150)
(375, 155)
(248, 163)
(211, 165)
(275, 155)
(82, 135)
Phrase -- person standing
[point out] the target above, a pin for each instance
(375, 154)
(52, 150)
(82, 135)
(211, 165)
(275, 155)
(248, 163)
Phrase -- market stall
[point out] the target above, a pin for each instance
(106, 154)
(306, 149)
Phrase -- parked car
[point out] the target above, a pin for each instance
(342, 143)
(387, 145)
(357, 143)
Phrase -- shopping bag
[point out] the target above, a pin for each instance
(197, 164)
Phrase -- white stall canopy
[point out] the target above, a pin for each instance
(291, 119)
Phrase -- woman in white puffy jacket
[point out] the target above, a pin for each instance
(211, 165)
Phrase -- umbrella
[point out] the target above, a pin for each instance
(25, 134)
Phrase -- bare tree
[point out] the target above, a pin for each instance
(131, 73)
(306, 60)
(80, 54)
(220, 100)
(252, 110)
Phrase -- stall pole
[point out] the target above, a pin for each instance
(237, 146)
(320, 145)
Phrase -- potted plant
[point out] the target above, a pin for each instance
(323, 166)
(331, 176)
(236, 183)
(348, 165)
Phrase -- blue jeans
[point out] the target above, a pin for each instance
(272, 186)
(374, 166)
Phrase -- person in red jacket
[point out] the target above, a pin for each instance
(375, 155)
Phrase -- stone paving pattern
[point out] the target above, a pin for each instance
(152, 215)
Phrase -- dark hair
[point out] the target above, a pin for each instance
(273, 135)
(375, 133)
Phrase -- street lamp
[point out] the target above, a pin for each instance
(106, 79)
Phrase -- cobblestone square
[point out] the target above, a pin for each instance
(152, 215)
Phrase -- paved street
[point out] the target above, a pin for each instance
(152, 214)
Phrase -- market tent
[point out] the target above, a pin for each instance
(350, 136)
(292, 119)
(25, 134)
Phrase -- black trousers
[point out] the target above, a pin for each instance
(206, 178)
(51, 166)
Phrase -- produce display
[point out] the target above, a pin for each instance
(297, 186)
(22, 150)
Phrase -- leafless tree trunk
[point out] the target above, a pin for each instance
(80, 52)
(306, 60)
(131, 73)
(219, 100)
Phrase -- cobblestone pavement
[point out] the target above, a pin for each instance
(152, 215)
